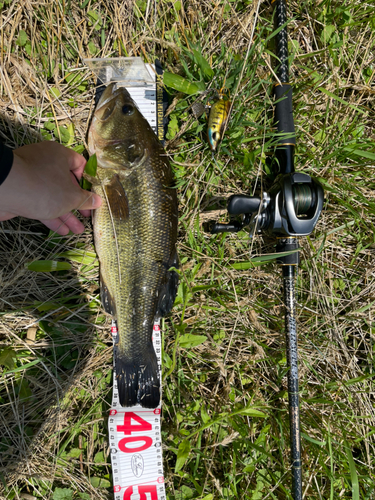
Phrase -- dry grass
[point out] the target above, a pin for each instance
(58, 405)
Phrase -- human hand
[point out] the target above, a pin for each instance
(43, 185)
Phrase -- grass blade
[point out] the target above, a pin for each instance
(48, 266)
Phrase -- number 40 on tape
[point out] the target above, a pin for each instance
(136, 454)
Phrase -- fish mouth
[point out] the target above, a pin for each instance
(108, 100)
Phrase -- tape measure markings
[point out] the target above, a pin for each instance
(135, 442)
(135, 432)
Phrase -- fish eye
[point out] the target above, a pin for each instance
(216, 136)
(127, 109)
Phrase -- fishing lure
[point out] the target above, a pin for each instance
(218, 119)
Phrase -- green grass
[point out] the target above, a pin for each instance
(224, 348)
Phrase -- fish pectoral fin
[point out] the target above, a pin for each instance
(168, 291)
(107, 301)
(117, 199)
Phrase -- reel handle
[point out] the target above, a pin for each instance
(242, 204)
(232, 227)
(238, 204)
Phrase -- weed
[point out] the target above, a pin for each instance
(225, 424)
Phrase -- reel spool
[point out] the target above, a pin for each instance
(291, 208)
(304, 199)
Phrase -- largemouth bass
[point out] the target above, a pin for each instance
(135, 232)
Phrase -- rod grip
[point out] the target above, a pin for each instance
(284, 113)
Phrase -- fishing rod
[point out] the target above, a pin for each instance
(290, 209)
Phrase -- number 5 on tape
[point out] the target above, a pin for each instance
(142, 491)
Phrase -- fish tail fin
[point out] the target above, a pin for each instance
(148, 380)
(138, 380)
(127, 380)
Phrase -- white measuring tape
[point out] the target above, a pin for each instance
(135, 432)
(135, 442)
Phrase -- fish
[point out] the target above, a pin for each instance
(135, 235)
(217, 121)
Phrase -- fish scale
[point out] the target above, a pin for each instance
(135, 233)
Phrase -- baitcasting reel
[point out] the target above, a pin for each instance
(291, 208)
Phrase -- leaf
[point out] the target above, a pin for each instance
(91, 165)
(188, 340)
(62, 494)
(62, 133)
(79, 149)
(25, 366)
(22, 38)
(250, 412)
(204, 415)
(172, 128)
(185, 493)
(328, 33)
(92, 48)
(7, 357)
(70, 129)
(90, 169)
(99, 457)
(48, 266)
(315, 441)
(261, 259)
(359, 152)
(364, 308)
(75, 453)
(182, 454)
(24, 390)
(203, 64)
(99, 482)
(94, 16)
(353, 473)
(55, 92)
(337, 98)
(49, 126)
(81, 256)
(179, 83)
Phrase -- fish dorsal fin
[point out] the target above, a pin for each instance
(117, 199)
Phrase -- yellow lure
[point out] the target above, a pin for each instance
(216, 121)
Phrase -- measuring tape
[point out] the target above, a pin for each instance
(135, 442)
(135, 432)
